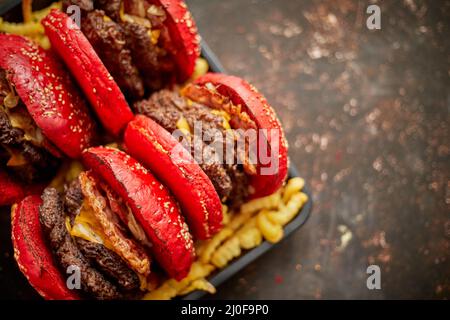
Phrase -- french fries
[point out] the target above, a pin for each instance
(288, 211)
(212, 245)
(31, 27)
(171, 288)
(250, 238)
(272, 231)
(199, 284)
(294, 185)
(269, 202)
(227, 252)
(258, 219)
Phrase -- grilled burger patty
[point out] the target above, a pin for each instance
(109, 263)
(109, 41)
(104, 274)
(167, 108)
(126, 47)
(32, 161)
(66, 251)
(73, 197)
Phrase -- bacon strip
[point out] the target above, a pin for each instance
(128, 249)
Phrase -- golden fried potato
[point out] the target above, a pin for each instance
(227, 252)
(199, 284)
(257, 219)
(272, 232)
(171, 288)
(29, 29)
(249, 238)
(226, 215)
(201, 68)
(270, 202)
(211, 245)
(239, 219)
(289, 211)
(294, 185)
(38, 15)
(164, 292)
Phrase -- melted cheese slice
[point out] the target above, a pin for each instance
(225, 116)
(87, 227)
(183, 126)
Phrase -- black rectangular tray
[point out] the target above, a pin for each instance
(251, 255)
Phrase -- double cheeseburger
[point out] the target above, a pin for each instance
(145, 44)
(107, 226)
(42, 118)
(220, 109)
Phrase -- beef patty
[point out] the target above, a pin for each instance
(104, 275)
(65, 249)
(33, 161)
(128, 48)
(166, 108)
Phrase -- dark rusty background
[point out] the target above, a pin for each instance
(367, 118)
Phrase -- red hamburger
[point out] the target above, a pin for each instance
(109, 224)
(42, 117)
(144, 44)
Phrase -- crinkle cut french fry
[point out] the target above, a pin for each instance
(294, 185)
(198, 270)
(289, 211)
(272, 232)
(258, 219)
(249, 238)
(24, 29)
(226, 215)
(32, 27)
(239, 219)
(199, 284)
(270, 202)
(164, 292)
(227, 252)
(171, 287)
(211, 246)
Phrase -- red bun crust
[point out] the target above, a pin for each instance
(155, 147)
(98, 85)
(48, 93)
(152, 205)
(12, 190)
(32, 253)
(241, 92)
(183, 33)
